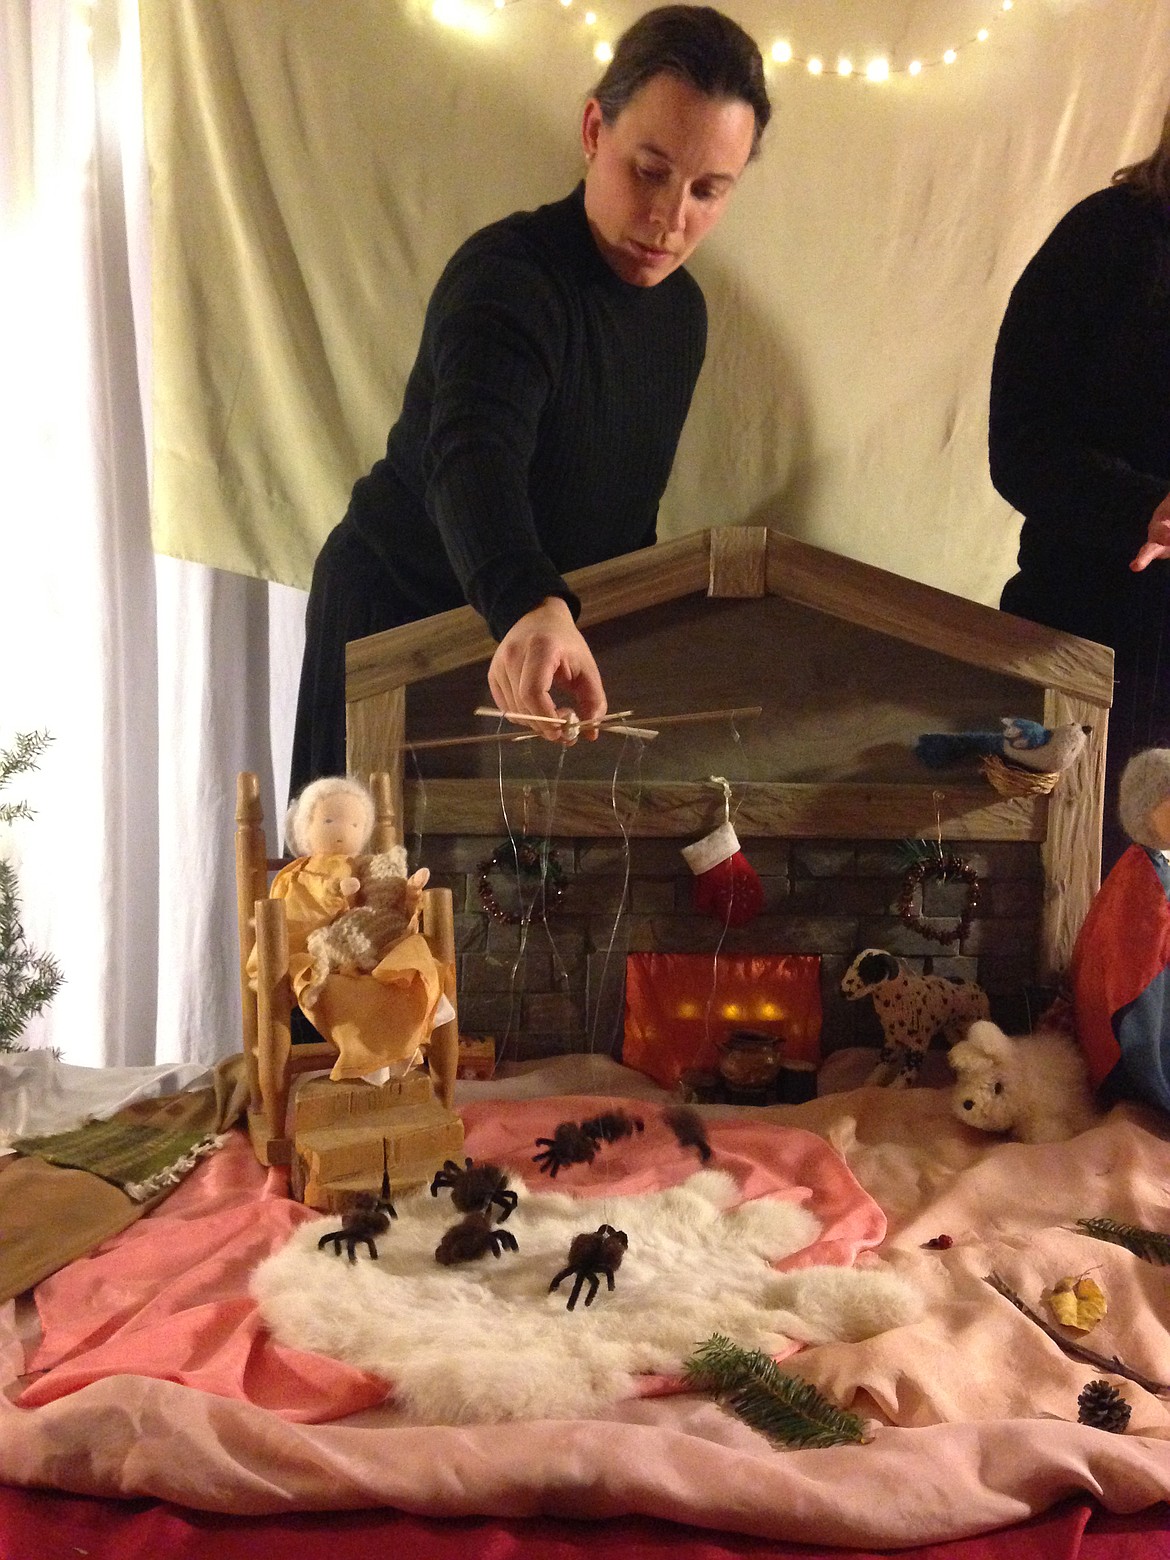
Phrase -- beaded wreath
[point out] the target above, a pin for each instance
(523, 859)
(939, 867)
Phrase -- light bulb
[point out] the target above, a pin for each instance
(878, 70)
(950, 57)
(844, 67)
(781, 52)
(983, 35)
(603, 53)
(915, 67)
(815, 66)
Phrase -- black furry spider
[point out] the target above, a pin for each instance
(471, 1238)
(476, 1187)
(687, 1126)
(591, 1254)
(611, 1125)
(366, 1217)
(570, 1144)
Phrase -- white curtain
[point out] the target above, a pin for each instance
(156, 679)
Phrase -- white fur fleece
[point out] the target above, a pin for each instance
(486, 1340)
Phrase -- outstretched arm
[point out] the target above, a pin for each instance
(542, 651)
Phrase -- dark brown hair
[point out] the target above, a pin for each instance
(1152, 174)
(697, 44)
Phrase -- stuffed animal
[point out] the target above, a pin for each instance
(1026, 743)
(1036, 1088)
(912, 1010)
(358, 939)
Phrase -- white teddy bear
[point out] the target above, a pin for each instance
(1035, 1087)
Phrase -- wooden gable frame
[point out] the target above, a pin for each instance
(1075, 676)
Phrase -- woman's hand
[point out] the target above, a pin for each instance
(542, 650)
(1157, 542)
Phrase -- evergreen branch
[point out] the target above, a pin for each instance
(784, 1407)
(1150, 1245)
(20, 759)
(28, 979)
(1076, 1351)
(912, 853)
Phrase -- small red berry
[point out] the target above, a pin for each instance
(939, 1243)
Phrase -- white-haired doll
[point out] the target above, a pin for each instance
(356, 960)
(1120, 966)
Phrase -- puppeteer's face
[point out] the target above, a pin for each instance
(338, 826)
(659, 177)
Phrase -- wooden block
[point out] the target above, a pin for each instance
(323, 1103)
(739, 555)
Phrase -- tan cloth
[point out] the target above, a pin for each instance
(49, 1216)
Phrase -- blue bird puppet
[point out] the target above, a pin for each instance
(1028, 743)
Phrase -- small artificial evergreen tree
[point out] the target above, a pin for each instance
(28, 980)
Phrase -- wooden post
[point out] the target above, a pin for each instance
(1072, 849)
(386, 829)
(251, 885)
(375, 730)
(274, 1004)
(438, 924)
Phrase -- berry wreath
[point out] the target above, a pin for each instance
(524, 859)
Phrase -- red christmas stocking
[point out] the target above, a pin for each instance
(726, 884)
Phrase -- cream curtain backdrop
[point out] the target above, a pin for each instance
(312, 164)
(157, 679)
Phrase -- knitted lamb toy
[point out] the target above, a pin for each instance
(1036, 1088)
(357, 940)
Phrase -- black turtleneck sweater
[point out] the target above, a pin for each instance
(539, 422)
(1080, 415)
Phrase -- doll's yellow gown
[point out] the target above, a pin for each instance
(380, 1019)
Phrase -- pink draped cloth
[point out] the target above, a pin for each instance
(981, 1404)
(169, 1298)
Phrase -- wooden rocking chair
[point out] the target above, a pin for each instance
(338, 1139)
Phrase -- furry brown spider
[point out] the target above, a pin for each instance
(687, 1126)
(366, 1217)
(570, 1144)
(471, 1238)
(474, 1188)
(612, 1125)
(590, 1254)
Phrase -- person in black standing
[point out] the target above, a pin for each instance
(558, 357)
(1080, 445)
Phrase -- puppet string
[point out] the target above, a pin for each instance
(515, 981)
(640, 752)
(728, 817)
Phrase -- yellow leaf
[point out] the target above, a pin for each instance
(1077, 1302)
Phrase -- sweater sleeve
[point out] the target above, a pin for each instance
(497, 336)
(1056, 327)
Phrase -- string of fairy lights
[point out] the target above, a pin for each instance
(478, 17)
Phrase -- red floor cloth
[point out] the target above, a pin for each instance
(46, 1525)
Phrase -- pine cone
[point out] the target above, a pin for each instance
(1103, 1407)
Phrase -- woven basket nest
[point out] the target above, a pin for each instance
(1010, 780)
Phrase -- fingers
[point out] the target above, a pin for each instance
(542, 652)
(1157, 543)
(1148, 553)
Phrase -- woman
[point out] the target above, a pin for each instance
(558, 358)
(1080, 444)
